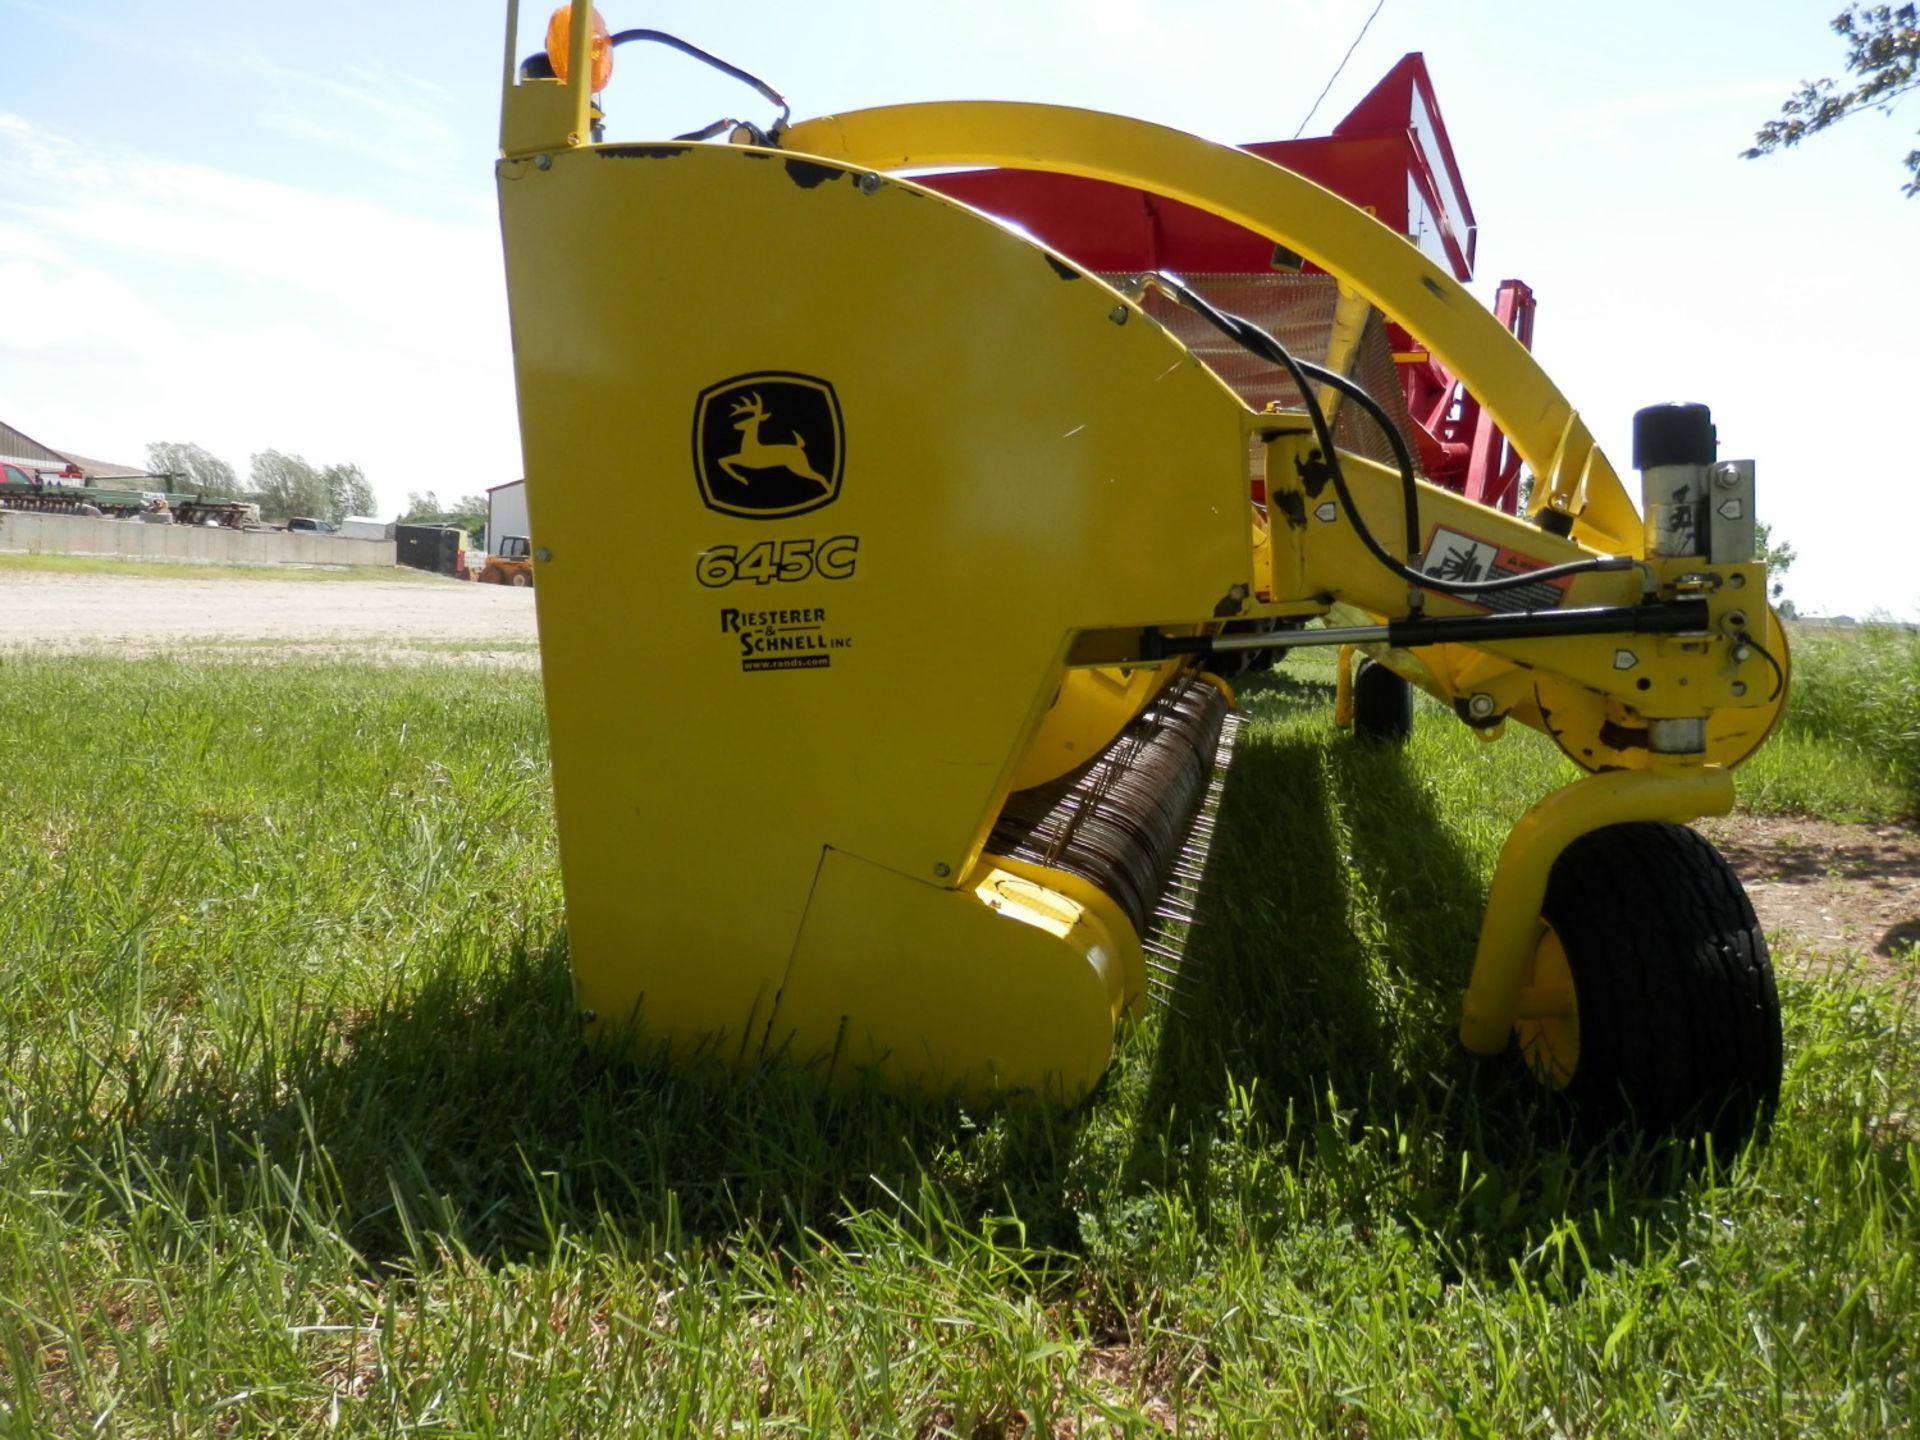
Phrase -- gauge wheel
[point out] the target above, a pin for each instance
(1382, 704)
(1652, 1005)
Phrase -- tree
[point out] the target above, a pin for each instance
(192, 468)
(348, 492)
(422, 506)
(286, 485)
(1883, 49)
(469, 512)
(1778, 558)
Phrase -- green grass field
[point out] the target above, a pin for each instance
(297, 1137)
(1852, 731)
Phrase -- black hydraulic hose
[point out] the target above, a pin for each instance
(1779, 674)
(708, 131)
(1403, 456)
(1259, 342)
(1249, 336)
(661, 37)
(540, 67)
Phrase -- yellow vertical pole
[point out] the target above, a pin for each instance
(580, 70)
(507, 65)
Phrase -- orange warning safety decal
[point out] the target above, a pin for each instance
(1453, 556)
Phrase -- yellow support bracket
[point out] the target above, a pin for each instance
(1511, 928)
(1343, 688)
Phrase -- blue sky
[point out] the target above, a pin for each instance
(259, 226)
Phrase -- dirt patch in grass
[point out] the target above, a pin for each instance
(1837, 891)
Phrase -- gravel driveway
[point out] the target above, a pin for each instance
(144, 614)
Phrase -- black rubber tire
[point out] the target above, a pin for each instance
(1382, 704)
(1678, 1016)
(521, 580)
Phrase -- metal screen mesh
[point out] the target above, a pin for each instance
(1298, 311)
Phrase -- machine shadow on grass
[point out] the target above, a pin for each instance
(1330, 939)
(465, 1112)
(1324, 974)
(1322, 977)
(466, 1107)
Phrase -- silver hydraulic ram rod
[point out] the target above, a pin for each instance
(1658, 617)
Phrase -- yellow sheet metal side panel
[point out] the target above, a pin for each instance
(1003, 985)
(1130, 969)
(745, 666)
(1089, 709)
(1287, 208)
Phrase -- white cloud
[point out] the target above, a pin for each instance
(54, 312)
(212, 231)
(150, 298)
(361, 114)
(303, 125)
(22, 242)
(349, 253)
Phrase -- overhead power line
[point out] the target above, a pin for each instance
(1341, 66)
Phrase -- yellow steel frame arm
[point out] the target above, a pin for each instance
(1340, 238)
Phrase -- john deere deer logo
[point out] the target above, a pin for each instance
(768, 445)
(755, 454)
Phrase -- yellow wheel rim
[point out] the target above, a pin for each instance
(1548, 1023)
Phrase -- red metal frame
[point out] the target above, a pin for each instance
(1392, 157)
